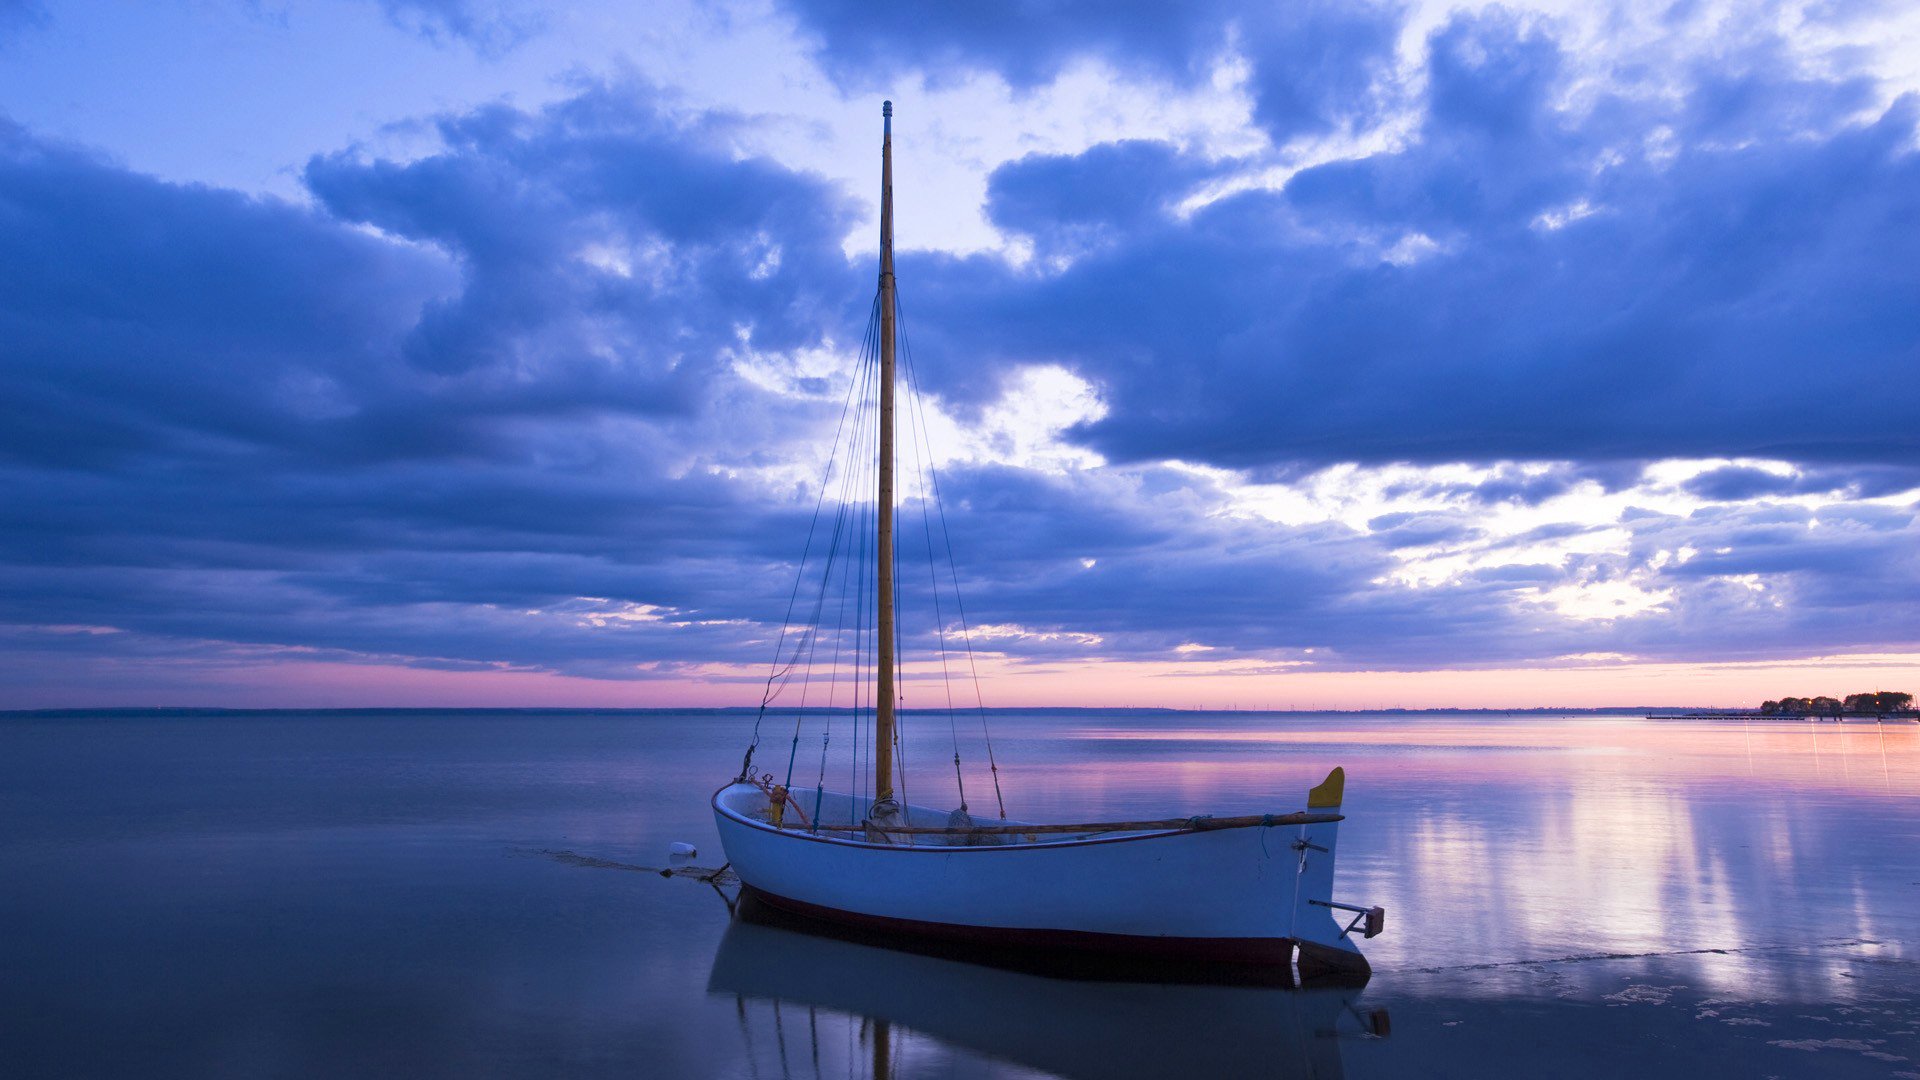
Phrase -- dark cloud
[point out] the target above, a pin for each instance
(140, 315)
(1644, 273)
(1172, 565)
(1739, 483)
(864, 45)
(244, 424)
(1521, 485)
(1316, 65)
(1760, 94)
(1843, 576)
(507, 405)
(1519, 283)
(594, 239)
(1871, 482)
(1408, 529)
(1070, 204)
(1491, 75)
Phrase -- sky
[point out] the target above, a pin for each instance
(1274, 355)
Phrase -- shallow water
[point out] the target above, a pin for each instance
(460, 894)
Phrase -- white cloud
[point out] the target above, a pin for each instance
(1602, 600)
(1023, 428)
(1013, 632)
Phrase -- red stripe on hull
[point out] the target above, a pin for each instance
(1251, 951)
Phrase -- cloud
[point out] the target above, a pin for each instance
(1492, 76)
(490, 28)
(1521, 281)
(141, 316)
(1759, 93)
(1315, 66)
(1319, 66)
(1529, 485)
(549, 396)
(1740, 483)
(420, 418)
(863, 46)
(617, 254)
(1069, 204)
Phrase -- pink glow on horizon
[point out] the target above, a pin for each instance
(1794, 754)
(1116, 684)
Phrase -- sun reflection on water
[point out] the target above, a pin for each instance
(1508, 841)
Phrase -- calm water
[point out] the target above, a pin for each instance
(338, 895)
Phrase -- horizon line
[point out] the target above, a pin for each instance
(225, 710)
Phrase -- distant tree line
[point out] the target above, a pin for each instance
(1884, 701)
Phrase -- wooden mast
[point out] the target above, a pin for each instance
(883, 714)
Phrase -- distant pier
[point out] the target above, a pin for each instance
(1824, 718)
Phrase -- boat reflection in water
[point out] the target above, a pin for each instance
(1060, 1017)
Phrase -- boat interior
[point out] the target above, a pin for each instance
(841, 816)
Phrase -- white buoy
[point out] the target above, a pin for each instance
(682, 850)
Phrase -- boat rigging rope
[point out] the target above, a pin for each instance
(851, 546)
(833, 683)
(777, 679)
(811, 639)
(953, 567)
(863, 652)
(923, 461)
(868, 356)
(899, 669)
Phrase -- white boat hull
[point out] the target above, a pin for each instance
(1238, 895)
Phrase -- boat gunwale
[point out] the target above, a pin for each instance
(940, 849)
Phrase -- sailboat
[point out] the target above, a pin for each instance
(1252, 889)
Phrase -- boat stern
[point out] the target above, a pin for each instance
(1327, 931)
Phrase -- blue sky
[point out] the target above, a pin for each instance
(431, 351)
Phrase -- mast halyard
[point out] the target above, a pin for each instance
(883, 734)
